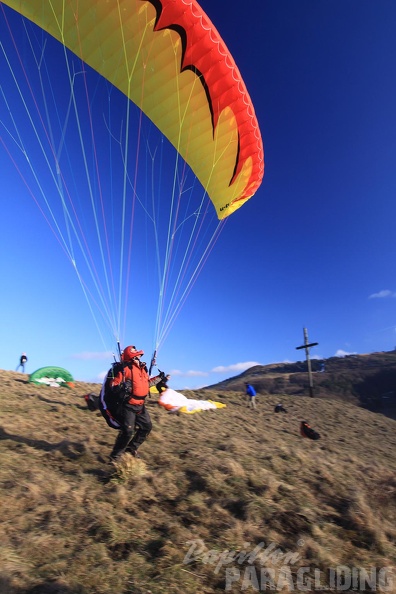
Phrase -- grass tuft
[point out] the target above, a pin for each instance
(128, 469)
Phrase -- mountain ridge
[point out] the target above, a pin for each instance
(367, 380)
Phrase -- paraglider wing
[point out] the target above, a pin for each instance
(52, 376)
(168, 58)
(173, 401)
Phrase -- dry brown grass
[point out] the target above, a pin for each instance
(73, 523)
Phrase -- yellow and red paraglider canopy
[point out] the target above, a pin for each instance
(168, 58)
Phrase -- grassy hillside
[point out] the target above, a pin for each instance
(233, 480)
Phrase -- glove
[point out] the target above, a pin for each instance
(163, 375)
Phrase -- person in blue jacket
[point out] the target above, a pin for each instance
(251, 395)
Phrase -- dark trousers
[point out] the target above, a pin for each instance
(135, 426)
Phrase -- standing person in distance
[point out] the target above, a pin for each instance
(251, 395)
(122, 401)
(22, 362)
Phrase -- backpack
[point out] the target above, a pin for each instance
(92, 401)
(307, 431)
(111, 401)
(279, 408)
(114, 397)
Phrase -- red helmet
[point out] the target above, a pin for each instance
(130, 353)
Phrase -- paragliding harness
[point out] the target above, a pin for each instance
(111, 400)
(307, 431)
(92, 401)
(280, 408)
(116, 396)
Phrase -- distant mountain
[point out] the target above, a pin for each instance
(366, 380)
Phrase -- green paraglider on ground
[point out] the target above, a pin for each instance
(52, 376)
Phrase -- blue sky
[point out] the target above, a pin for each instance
(314, 248)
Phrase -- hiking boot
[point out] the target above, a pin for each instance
(134, 453)
(115, 456)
